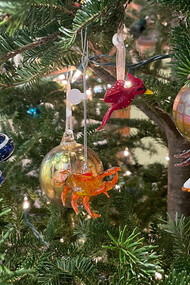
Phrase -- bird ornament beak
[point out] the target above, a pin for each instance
(137, 82)
(149, 92)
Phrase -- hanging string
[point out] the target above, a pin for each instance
(120, 54)
(84, 45)
(35, 232)
(68, 134)
(26, 206)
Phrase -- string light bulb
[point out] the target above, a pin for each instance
(126, 152)
(167, 158)
(26, 204)
(88, 92)
(64, 82)
(61, 76)
(127, 84)
(127, 173)
(76, 75)
(117, 186)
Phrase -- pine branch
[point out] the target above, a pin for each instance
(180, 42)
(182, 5)
(159, 116)
(30, 46)
(134, 259)
(33, 13)
(179, 230)
(96, 51)
(52, 5)
(176, 278)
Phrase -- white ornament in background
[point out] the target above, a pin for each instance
(187, 184)
(47, 105)
(17, 59)
(75, 96)
(158, 276)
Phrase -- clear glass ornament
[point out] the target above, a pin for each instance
(69, 155)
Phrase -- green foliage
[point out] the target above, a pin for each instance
(53, 223)
(7, 275)
(51, 46)
(179, 38)
(67, 270)
(32, 13)
(179, 230)
(144, 127)
(133, 260)
(182, 5)
(175, 278)
(47, 35)
(180, 42)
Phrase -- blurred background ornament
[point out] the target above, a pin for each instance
(138, 28)
(69, 155)
(185, 155)
(6, 147)
(34, 111)
(181, 112)
(186, 186)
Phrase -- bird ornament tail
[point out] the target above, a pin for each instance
(106, 117)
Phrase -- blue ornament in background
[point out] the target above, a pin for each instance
(1, 177)
(6, 147)
(35, 112)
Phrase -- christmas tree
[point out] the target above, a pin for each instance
(45, 243)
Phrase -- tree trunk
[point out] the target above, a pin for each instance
(178, 201)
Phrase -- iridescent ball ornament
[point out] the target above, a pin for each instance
(181, 112)
(68, 156)
(6, 147)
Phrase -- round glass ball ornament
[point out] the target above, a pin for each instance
(66, 156)
(181, 112)
(6, 147)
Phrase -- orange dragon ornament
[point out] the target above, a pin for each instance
(85, 185)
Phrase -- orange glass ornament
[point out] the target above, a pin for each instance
(85, 185)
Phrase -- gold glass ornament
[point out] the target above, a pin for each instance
(69, 155)
(181, 112)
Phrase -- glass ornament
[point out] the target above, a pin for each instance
(84, 185)
(6, 147)
(69, 155)
(121, 95)
(181, 112)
